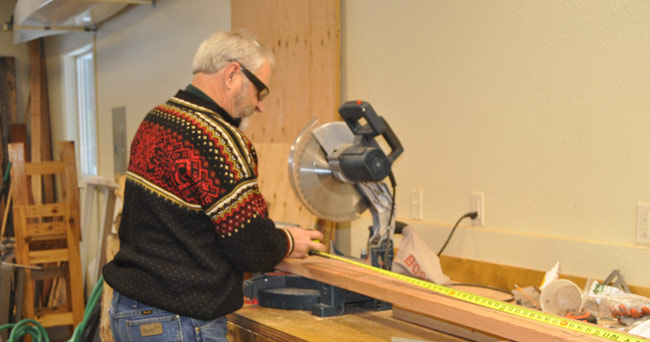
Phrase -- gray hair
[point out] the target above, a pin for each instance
(223, 47)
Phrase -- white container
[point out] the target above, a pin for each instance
(561, 296)
(550, 275)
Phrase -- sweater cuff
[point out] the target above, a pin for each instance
(289, 242)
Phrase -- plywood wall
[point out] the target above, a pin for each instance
(305, 37)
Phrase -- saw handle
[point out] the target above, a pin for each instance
(353, 111)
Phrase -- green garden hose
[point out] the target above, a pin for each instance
(31, 327)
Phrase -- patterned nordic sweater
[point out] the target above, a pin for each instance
(193, 219)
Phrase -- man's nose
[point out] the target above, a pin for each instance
(259, 107)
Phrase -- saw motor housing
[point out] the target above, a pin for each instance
(364, 160)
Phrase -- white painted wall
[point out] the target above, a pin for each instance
(543, 106)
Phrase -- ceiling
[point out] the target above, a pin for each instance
(39, 18)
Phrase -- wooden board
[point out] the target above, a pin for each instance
(8, 114)
(41, 145)
(8, 103)
(69, 188)
(18, 133)
(305, 83)
(105, 334)
(442, 325)
(425, 302)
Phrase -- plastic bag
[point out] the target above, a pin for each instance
(415, 258)
(608, 301)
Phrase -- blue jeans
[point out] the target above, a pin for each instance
(132, 321)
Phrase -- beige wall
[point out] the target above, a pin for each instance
(543, 106)
(143, 56)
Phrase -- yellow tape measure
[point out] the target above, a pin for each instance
(498, 305)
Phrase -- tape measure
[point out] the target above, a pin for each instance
(498, 305)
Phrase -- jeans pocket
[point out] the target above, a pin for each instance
(161, 328)
(215, 330)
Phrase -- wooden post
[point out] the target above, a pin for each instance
(41, 146)
(8, 103)
(305, 83)
(70, 188)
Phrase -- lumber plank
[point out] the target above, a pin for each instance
(8, 103)
(69, 186)
(41, 146)
(18, 133)
(441, 325)
(105, 334)
(45, 210)
(48, 255)
(22, 247)
(48, 229)
(35, 117)
(420, 300)
(49, 273)
(52, 319)
(20, 193)
(44, 168)
(74, 282)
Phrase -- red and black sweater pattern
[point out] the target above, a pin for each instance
(193, 219)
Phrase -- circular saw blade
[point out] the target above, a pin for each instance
(312, 179)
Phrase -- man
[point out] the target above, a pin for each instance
(194, 220)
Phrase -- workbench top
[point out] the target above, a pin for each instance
(359, 325)
(256, 323)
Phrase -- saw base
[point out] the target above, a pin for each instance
(291, 292)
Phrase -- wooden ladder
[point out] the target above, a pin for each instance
(48, 235)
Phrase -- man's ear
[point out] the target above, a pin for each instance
(230, 73)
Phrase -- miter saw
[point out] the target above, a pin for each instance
(337, 170)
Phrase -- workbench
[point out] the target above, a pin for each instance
(257, 323)
(260, 324)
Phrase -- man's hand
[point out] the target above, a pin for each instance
(302, 241)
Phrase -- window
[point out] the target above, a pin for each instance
(86, 112)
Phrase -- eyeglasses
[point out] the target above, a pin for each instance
(262, 89)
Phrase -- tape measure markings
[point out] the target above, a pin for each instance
(498, 305)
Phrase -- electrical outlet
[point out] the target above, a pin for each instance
(478, 205)
(643, 223)
(416, 204)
